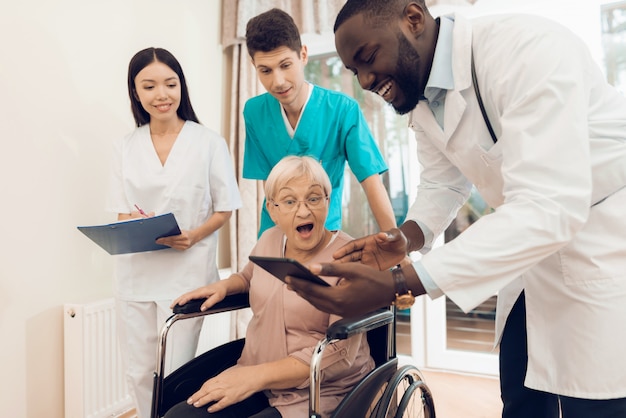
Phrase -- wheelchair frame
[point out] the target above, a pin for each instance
(339, 330)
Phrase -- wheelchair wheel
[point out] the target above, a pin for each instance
(407, 396)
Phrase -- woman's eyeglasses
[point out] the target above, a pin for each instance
(291, 205)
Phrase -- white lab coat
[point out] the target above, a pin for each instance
(561, 150)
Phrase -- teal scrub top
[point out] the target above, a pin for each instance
(332, 130)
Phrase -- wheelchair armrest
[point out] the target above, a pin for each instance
(347, 327)
(230, 303)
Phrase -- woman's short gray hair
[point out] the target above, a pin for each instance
(292, 167)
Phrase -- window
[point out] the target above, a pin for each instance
(472, 331)
(614, 43)
(392, 135)
(389, 130)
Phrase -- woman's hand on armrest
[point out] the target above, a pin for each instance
(213, 293)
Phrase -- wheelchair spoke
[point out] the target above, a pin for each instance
(407, 396)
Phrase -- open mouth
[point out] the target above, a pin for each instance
(305, 228)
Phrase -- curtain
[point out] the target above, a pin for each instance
(311, 16)
(244, 225)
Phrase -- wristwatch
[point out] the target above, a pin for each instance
(404, 297)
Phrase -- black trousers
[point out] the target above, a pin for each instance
(522, 402)
(256, 406)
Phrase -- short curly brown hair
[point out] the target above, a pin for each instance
(271, 30)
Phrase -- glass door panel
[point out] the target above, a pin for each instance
(472, 331)
(614, 43)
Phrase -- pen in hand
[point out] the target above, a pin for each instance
(141, 211)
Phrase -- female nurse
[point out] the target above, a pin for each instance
(169, 163)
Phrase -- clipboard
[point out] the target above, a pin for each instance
(133, 236)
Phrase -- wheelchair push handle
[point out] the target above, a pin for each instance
(347, 327)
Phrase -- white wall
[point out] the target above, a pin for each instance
(63, 100)
(581, 16)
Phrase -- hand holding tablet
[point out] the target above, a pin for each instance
(282, 267)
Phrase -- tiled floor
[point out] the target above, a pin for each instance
(464, 396)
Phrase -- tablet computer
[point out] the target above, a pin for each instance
(281, 267)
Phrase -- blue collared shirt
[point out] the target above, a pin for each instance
(441, 78)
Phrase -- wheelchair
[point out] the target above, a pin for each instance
(388, 391)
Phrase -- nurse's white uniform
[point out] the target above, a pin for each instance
(196, 180)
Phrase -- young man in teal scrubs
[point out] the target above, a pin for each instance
(296, 117)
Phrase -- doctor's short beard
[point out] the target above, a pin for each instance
(407, 76)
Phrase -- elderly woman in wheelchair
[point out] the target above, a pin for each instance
(271, 377)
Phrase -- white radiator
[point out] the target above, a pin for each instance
(94, 381)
